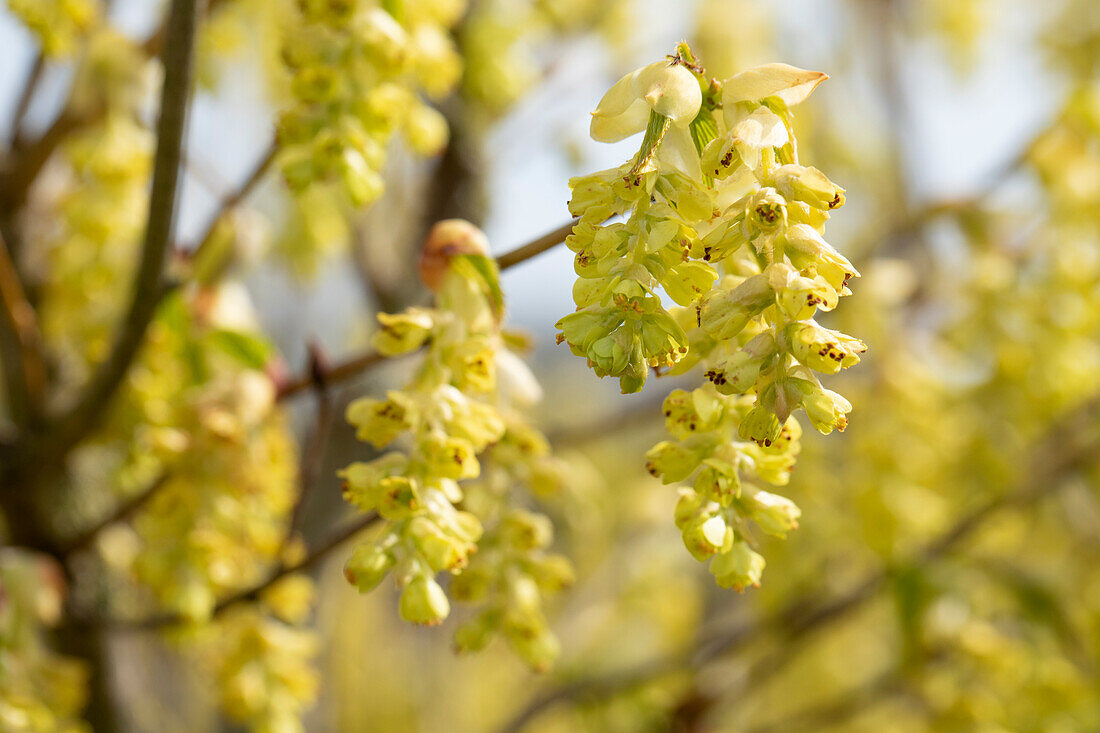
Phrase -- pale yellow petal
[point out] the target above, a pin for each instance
(612, 129)
(789, 83)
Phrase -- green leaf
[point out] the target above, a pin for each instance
(250, 350)
(487, 271)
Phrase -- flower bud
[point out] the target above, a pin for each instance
(806, 249)
(671, 462)
(823, 349)
(739, 568)
(475, 634)
(400, 333)
(725, 239)
(539, 650)
(441, 551)
(446, 240)
(688, 505)
(397, 497)
(738, 373)
(450, 457)
(688, 281)
(724, 313)
(719, 481)
(423, 602)
(633, 378)
(826, 409)
(611, 354)
(775, 515)
(526, 530)
(706, 535)
(760, 425)
(426, 130)
(381, 421)
(367, 566)
(809, 185)
(552, 572)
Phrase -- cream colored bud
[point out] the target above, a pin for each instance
(446, 240)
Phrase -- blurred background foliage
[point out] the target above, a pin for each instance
(945, 573)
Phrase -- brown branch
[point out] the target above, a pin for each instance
(73, 424)
(313, 455)
(361, 362)
(20, 342)
(1066, 447)
(537, 247)
(338, 373)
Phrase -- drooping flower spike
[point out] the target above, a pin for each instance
(723, 220)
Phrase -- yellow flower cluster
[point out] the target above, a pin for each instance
(461, 401)
(358, 71)
(217, 524)
(721, 217)
(513, 571)
(263, 658)
(40, 691)
(58, 24)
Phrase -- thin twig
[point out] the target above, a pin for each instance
(25, 97)
(537, 247)
(124, 512)
(1067, 446)
(78, 420)
(361, 362)
(247, 595)
(24, 367)
(313, 454)
(240, 194)
(338, 373)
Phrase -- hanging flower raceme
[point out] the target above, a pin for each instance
(460, 403)
(721, 219)
(359, 71)
(41, 691)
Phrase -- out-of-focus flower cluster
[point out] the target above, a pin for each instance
(461, 409)
(59, 25)
(358, 72)
(41, 691)
(723, 219)
(195, 420)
